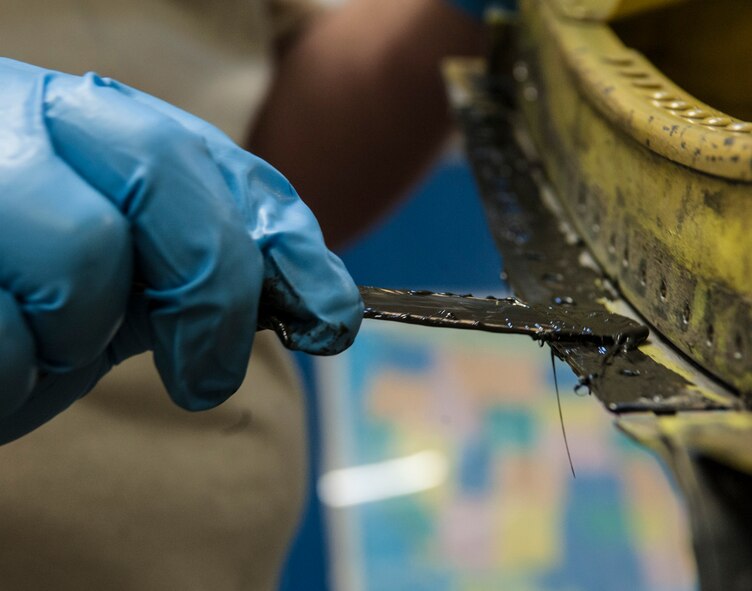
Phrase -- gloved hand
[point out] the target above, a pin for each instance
(101, 186)
(477, 8)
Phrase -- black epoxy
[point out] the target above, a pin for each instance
(277, 312)
(521, 223)
(505, 315)
(585, 382)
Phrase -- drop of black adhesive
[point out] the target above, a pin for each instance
(585, 382)
(533, 255)
(561, 414)
(549, 277)
(564, 301)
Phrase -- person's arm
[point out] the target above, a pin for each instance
(358, 108)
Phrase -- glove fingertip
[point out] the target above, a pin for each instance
(201, 388)
(202, 349)
(201, 370)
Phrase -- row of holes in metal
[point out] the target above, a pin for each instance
(663, 286)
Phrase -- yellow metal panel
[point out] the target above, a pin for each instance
(658, 183)
(604, 10)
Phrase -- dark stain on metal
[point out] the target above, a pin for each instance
(713, 200)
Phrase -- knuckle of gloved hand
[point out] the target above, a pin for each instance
(89, 242)
(160, 139)
(86, 282)
(17, 356)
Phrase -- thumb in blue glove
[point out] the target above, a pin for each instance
(98, 182)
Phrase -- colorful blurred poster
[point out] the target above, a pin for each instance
(445, 470)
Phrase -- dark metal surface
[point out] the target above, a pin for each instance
(708, 452)
(546, 262)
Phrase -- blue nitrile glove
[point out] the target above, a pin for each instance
(477, 8)
(101, 186)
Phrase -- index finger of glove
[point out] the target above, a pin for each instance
(202, 270)
(308, 288)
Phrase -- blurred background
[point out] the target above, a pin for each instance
(438, 461)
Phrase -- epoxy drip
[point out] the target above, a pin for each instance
(561, 414)
(505, 315)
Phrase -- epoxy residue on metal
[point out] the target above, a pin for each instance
(505, 315)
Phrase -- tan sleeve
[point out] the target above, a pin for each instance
(126, 491)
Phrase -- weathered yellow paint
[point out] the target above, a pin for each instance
(604, 10)
(658, 183)
(634, 96)
(723, 436)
